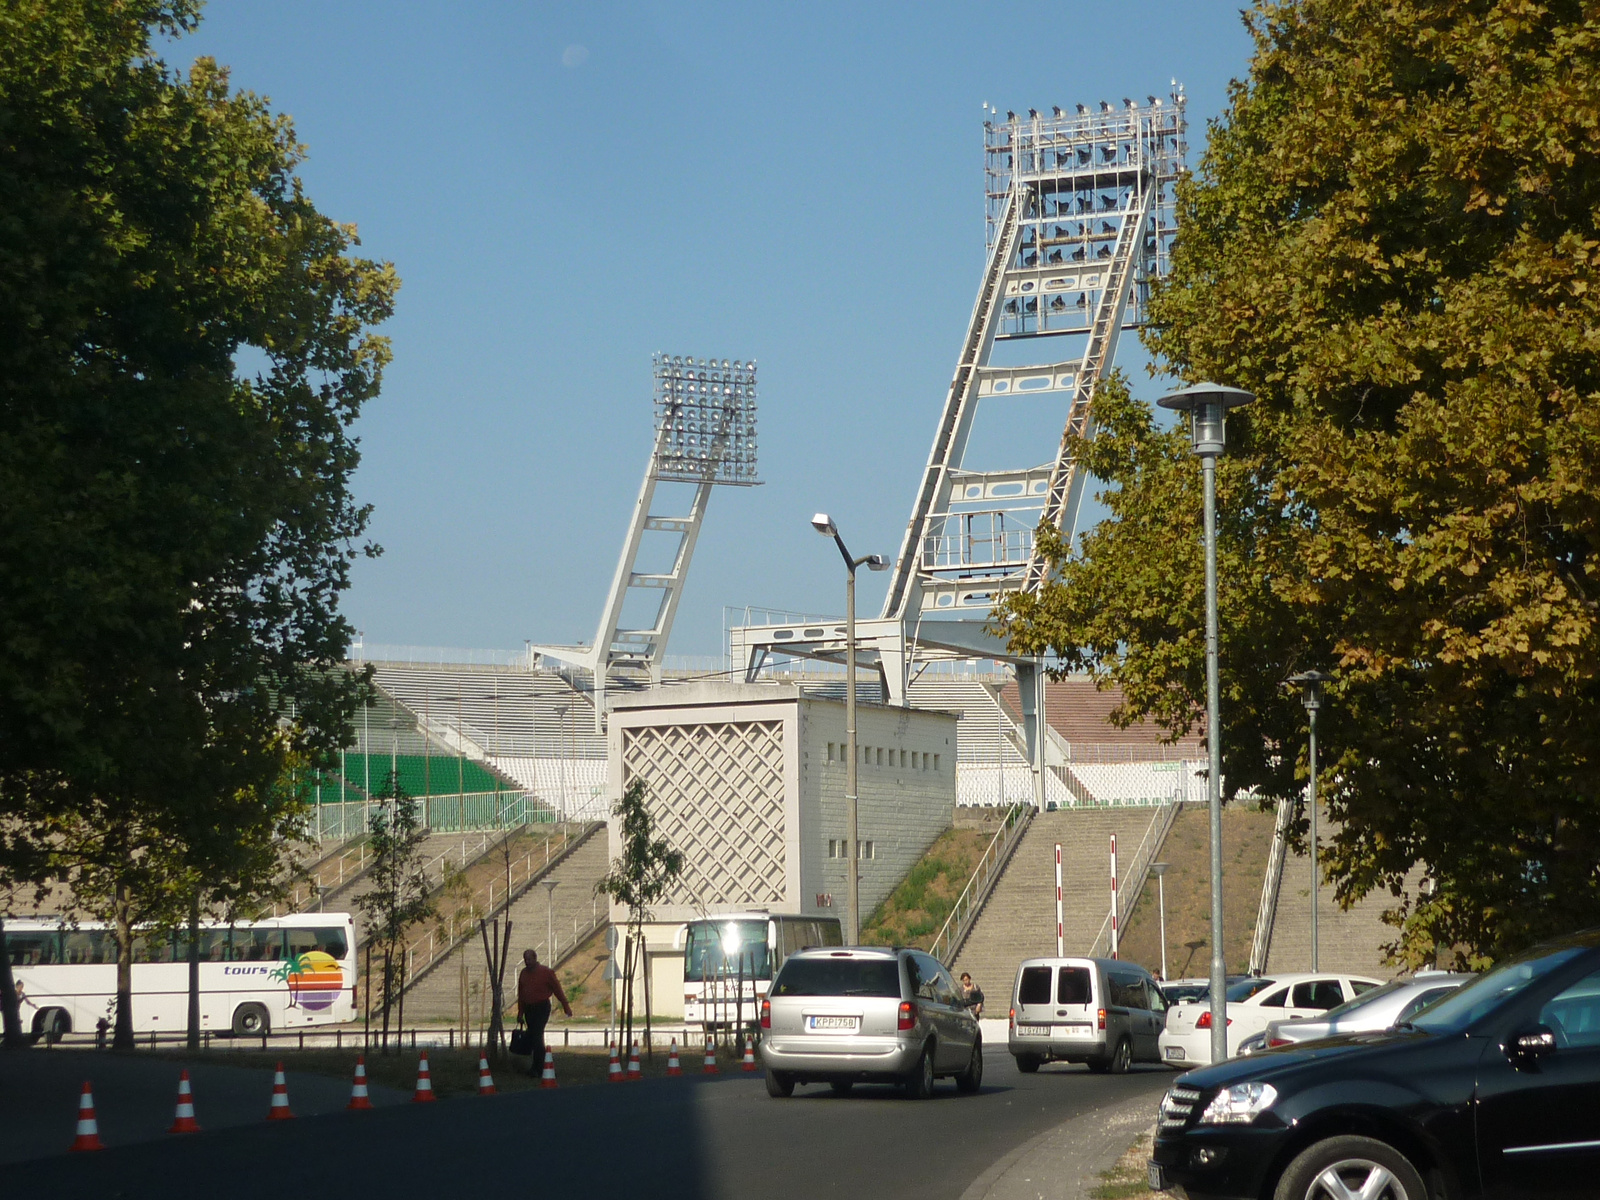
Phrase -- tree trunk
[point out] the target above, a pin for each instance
(122, 1035)
(384, 1044)
(194, 971)
(15, 1038)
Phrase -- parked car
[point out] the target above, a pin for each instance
(868, 1014)
(1193, 991)
(1103, 1012)
(1491, 1091)
(1378, 1008)
(1252, 1004)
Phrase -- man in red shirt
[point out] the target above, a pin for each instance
(535, 985)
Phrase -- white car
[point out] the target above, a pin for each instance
(1252, 1004)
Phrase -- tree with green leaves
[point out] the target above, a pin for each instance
(400, 895)
(641, 876)
(1392, 240)
(185, 342)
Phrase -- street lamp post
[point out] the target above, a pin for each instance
(1207, 405)
(1310, 684)
(550, 886)
(824, 525)
(1159, 870)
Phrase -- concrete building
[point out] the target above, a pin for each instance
(748, 781)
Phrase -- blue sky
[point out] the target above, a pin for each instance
(566, 188)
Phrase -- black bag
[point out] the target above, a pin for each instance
(522, 1039)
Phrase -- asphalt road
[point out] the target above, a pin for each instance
(717, 1138)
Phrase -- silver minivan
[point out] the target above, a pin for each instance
(1100, 1011)
(873, 1014)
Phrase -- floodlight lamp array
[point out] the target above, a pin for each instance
(706, 417)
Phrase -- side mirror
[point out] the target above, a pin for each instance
(1528, 1047)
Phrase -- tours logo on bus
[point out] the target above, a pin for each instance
(314, 979)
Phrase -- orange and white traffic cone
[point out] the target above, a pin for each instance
(614, 1068)
(548, 1078)
(485, 1080)
(280, 1098)
(673, 1068)
(88, 1128)
(633, 1063)
(710, 1065)
(749, 1063)
(183, 1121)
(424, 1093)
(358, 1086)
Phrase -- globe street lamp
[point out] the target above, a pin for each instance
(1310, 684)
(1207, 405)
(824, 525)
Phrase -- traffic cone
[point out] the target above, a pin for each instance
(280, 1098)
(424, 1093)
(88, 1128)
(633, 1063)
(358, 1087)
(749, 1063)
(184, 1121)
(614, 1068)
(710, 1066)
(485, 1080)
(672, 1060)
(548, 1078)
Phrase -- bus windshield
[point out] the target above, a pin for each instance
(718, 949)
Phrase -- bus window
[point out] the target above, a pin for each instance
(36, 948)
(83, 946)
(257, 945)
(328, 940)
(213, 945)
(152, 948)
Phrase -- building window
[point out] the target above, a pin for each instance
(902, 760)
(830, 751)
(935, 762)
(880, 756)
(866, 850)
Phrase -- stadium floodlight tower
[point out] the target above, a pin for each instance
(705, 413)
(1080, 215)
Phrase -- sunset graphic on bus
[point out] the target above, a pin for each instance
(314, 980)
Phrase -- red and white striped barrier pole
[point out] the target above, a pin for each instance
(1061, 927)
(1114, 931)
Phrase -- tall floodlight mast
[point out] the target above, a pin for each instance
(705, 415)
(1080, 215)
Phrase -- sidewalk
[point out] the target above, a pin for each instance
(135, 1096)
(1064, 1163)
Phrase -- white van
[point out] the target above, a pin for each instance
(1103, 1012)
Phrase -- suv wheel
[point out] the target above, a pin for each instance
(971, 1080)
(779, 1085)
(919, 1084)
(1351, 1166)
(1029, 1063)
(1121, 1057)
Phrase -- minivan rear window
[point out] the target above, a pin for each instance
(1034, 987)
(1073, 987)
(838, 977)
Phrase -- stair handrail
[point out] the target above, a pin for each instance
(1165, 815)
(1271, 884)
(981, 882)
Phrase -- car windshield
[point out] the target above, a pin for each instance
(1455, 1012)
(1246, 988)
(838, 977)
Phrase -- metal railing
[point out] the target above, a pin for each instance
(1267, 911)
(956, 926)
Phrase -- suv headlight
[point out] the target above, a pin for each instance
(1239, 1104)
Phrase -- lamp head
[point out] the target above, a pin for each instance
(1207, 405)
(823, 524)
(877, 562)
(1159, 869)
(1310, 685)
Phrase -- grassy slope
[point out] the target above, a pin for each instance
(915, 910)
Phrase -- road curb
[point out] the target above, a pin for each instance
(1065, 1162)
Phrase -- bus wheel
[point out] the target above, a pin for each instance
(51, 1025)
(251, 1020)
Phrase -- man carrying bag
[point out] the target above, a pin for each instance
(536, 984)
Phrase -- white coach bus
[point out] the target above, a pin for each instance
(255, 976)
(730, 961)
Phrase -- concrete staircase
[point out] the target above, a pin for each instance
(1019, 919)
(573, 910)
(1346, 941)
(440, 852)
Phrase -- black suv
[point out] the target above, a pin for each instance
(1493, 1091)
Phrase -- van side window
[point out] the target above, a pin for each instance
(1072, 986)
(1034, 986)
(1126, 991)
(914, 974)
